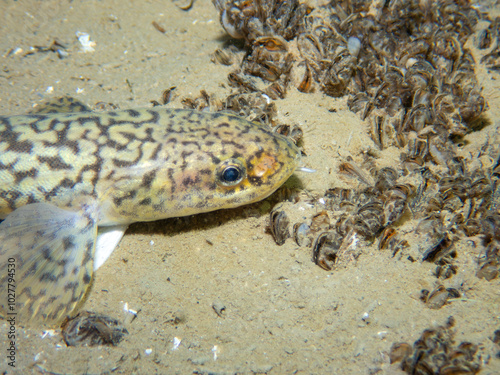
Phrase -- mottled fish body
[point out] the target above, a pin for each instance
(70, 183)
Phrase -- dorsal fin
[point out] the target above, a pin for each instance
(65, 104)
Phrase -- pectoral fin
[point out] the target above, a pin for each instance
(107, 240)
(47, 261)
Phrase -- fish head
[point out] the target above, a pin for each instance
(204, 162)
(237, 163)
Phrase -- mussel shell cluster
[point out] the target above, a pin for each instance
(407, 72)
(435, 352)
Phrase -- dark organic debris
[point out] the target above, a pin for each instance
(55, 46)
(159, 27)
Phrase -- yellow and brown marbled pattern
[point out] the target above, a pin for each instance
(140, 165)
(116, 168)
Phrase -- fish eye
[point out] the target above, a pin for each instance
(231, 172)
